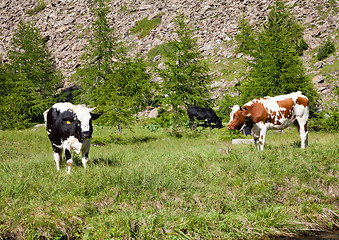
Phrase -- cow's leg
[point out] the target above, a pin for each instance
(191, 125)
(192, 122)
(57, 157)
(209, 122)
(302, 128)
(263, 131)
(256, 142)
(69, 159)
(85, 151)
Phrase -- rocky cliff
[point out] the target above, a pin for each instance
(67, 24)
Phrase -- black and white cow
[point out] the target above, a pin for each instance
(206, 114)
(69, 127)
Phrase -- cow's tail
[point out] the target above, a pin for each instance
(45, 115)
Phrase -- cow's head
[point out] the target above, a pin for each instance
(238, 117)
(84, 117)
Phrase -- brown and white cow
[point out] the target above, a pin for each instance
(262, 114)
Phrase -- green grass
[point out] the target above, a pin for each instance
(159, 50)
(41, 6)
(160, 187)
(144, 26)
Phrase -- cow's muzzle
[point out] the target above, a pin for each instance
(86, 134)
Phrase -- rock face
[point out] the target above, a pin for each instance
(67, 24)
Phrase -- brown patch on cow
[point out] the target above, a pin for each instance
(272, 117)
(288, 105)
(261, 137)
(257, 112)
(302, 101)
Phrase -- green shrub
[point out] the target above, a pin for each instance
(301, 46)
(325, 50)
(327, 120)
(153, 127)
(226, 105)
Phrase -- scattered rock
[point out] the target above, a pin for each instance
(318, 79)
(242, 141)
(67, 25)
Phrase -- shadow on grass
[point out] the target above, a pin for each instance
(107, 161)
(120, 140)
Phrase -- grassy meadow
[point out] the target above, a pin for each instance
(152, 185)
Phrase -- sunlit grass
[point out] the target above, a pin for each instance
(156, 186)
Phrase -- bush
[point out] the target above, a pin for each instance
(226, 105)
(327, 120)
(325, 50)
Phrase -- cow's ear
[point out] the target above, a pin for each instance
(95, 115)
(92, 109)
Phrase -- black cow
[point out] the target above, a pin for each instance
(206, 114)
(70, 127)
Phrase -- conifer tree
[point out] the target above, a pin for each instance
(276, 67)
(31, 79)
(115, 83)
(185, 77)
(245, 38)
(100, 53)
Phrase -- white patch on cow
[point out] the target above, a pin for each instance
(234, 109)
(84, 115)
(63, 107)
(58, 146)
(57, 158)
(72, 143)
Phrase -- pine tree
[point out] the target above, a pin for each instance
(31, 81)
(98, 59)
(245, 38)
(185, 76)
(276, 67)
(113, 82)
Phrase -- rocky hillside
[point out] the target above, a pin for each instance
(67, 24)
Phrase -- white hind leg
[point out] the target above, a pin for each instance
(302, 124)
(301, 110)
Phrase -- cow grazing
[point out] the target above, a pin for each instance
(262, 114)
(206, 114)
(69, 127)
